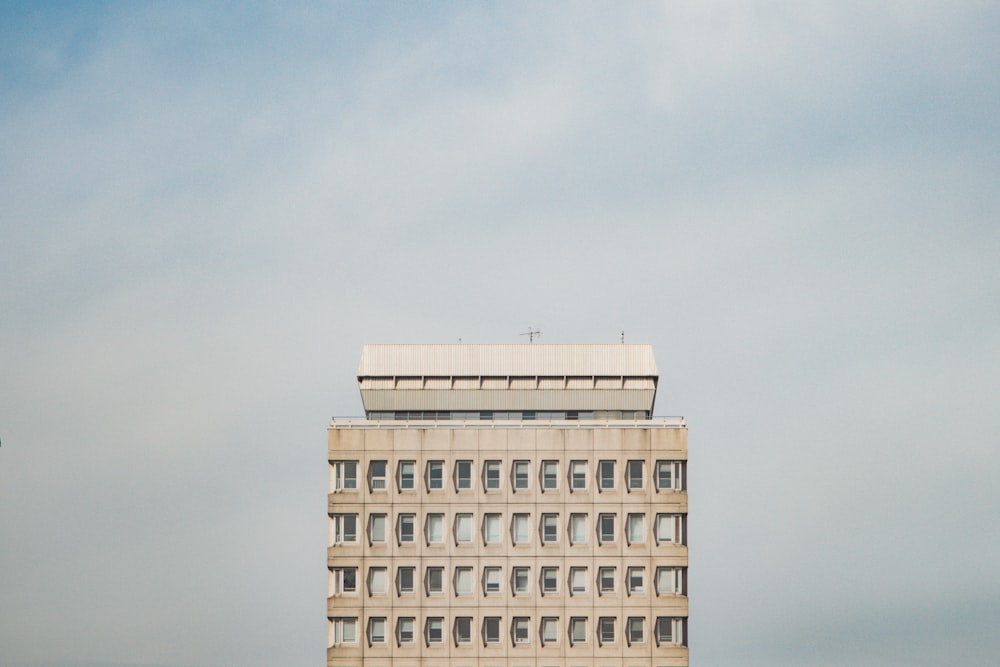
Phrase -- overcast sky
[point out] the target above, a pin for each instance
(206, 210)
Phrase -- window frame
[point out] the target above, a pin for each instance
(340, 476)
(549, 528)
(488, 638)
(578, 528)
(460, 636)
(401, 640)
(339, 625)
(577, 475)
(577, 581)
(577, 623)
(463, 585)
(635, 519)
(461, 479)
(549, 480)
(675, 576)
(630, 580)
(463, 529)
(428, 572)
(515, 587)
(607, 536)
(402, 520)
(376, 520)
(549, 574)
(516, 477)
(431, 518)
(606, 631)
(339, 579)
(373, 638)
(492, 475)
(434, 475)
(606, 481)
(412, 573)
(677, 470)
(634, 482)
(496, 520)
(631, 623)
(520, 630)
(545, 623)
(402, 476)
(492, 580)
(431, 625)
(378, 483)
(607, 578)
(340, 534)
(520, 520)
(377, 574)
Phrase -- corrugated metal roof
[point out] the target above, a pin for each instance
(526, 359)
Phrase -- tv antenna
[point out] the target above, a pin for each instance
(623, 336)
(532, 333)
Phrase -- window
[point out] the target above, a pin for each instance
(636, 580)
(463, 528)
(550, 630)
(578, 630)
(376, 630)
(520, 580)
(376, 475)
(343, 580)
(491, 630)
(606, 580)
(344, 476)
(435, 630)
(520, 529)
(550, 528)
(343, 631)
(435, 475)
(377, 584)
(463, 630)
(550, 475)
(404, 580)
(578, 528)
(491, 529)
(521, 475)
(344, 528)
(463, 581)
(434, 580)
(670, 529)
(407, 475)
(635, 630)
(607, 528)
(407, 532)
(491, 475)
(669, 581)
(435, 528)
(669, 630)
(491, 580)
(670, 475)
(606, 475)
(577, 580)
(463, 475)
(376, 529)
(519, 629)
(636, 528)
(550, 580)
(404, 630)
(606, 629)
(577, 475)
(634, 475)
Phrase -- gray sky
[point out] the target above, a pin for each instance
(205, 211)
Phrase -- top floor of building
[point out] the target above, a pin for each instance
(508, 382)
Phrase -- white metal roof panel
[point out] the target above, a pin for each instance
(525, 359)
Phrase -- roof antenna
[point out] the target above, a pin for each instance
(532, 334)
(623, 336)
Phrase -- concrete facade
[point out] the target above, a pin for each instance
(508, 543)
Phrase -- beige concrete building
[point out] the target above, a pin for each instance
(507, 506)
